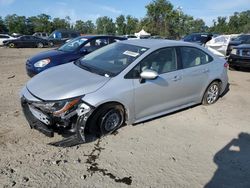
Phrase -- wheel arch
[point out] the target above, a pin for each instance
(114, 103)
(214, 80)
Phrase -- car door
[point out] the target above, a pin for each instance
(195, 74)
(25, 41)
(163, 93)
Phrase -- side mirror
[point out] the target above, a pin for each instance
(148, 75)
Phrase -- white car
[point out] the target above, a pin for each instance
(4, 37)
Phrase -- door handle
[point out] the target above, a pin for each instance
(176, 78)
(205, 70)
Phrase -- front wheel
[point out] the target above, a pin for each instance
(11, 45)
(51, 44)
(40, 45)
(211, 94)
(106, 120)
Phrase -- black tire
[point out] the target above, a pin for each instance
(40, 45)
(211, 94)
(105, 120)
(12, 45)
(51, 44)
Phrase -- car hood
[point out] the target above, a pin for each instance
(63, 82)
(47, 54)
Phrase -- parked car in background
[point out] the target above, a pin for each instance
(4, 37)
(69, 52)
(198, 38)
(60, 36)
(130, 37)
(241, 39)
(239, 57)
(41, 35)
(125, 82)
(26, 41)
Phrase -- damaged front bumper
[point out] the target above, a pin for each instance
(70, 124)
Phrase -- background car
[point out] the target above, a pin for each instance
(4, 37)
(26, 41)
(241, 39)
(239, 57)
(69, 52)
(198, 38)
(42, 35)
(125, 82)
(60, 36)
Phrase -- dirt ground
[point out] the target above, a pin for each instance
(200, 146)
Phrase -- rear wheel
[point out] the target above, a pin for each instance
(40, 45)
(212, 93)
(11, 45)
(106, 120)
(51, 44)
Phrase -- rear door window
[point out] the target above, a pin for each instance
(192, 57)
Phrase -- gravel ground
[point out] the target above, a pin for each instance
(200, 146)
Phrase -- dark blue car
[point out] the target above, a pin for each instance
(69, 52)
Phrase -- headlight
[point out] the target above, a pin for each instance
(42, 63)
(234, 51)
(58, 108)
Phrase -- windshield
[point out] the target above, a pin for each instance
(72, 45)
(241, 38)
(112, 59)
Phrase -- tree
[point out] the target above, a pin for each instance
(131, 24)
(43, 23)
(3, 28)
(85, 27)
(16, 24)
(121, 25)
(159, 14)
(59, 23)
(105, 25)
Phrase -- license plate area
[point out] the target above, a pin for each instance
(39, 115)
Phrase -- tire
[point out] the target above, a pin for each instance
(40, 45)
(12, 45)
(105, 120)
(211, 94)
(51, 44)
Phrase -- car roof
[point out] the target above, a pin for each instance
(157, 43)
(94, 36)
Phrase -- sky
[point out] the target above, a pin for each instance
(208, 10)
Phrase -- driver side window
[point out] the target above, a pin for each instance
(160, 61)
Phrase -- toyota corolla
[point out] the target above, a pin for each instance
(123, 83)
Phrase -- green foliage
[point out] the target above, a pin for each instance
(105, 25)
(237, 23)
(60, 23)
(161, 19)
(132, 23)
(3, 28)
(85, 27)
(121, 25)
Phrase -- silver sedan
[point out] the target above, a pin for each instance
(123, 83)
